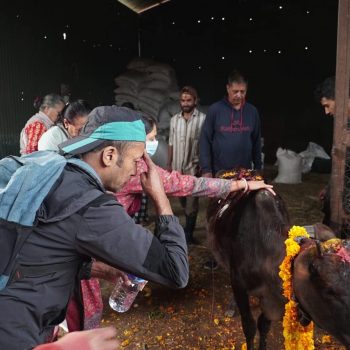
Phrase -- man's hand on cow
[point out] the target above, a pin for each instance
(152, 184)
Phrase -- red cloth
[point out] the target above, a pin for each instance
(92, 304)
(34, 132)
(92, 300)
(73, 315)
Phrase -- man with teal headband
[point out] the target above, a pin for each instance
(77, 219)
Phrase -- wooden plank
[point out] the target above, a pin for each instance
(341, 140)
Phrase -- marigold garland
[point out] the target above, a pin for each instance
(296, 337)
(241, 173)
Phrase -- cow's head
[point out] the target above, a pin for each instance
(321, 284)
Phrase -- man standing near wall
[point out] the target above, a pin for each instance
(325, 94)
(231, 136)
(185, 128)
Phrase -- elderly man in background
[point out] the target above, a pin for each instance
(231, 135)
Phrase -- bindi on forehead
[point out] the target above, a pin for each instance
(186, 97)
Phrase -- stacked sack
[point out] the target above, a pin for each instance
(148, 85)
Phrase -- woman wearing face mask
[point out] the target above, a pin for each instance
(69, 124)
(176, 184)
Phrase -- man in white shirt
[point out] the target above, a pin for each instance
(185, 129)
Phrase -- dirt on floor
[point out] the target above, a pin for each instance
(197, 317)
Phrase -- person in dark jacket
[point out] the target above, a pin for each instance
(325, 94)
(231, 136)
(79, 219)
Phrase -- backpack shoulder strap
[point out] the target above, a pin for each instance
(12, 238)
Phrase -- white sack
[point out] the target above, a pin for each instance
(289, 167)
(312, 151)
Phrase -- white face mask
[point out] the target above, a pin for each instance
(151, 147)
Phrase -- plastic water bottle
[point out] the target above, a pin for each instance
(123, 295)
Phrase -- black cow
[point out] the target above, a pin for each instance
(247, 234)
(321, 284)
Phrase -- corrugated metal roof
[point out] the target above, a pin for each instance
(140, 6)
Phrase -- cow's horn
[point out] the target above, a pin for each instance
(319, 247)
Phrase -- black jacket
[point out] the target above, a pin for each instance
(76, 221)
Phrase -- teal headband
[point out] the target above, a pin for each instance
(121, 131)
(114, 131)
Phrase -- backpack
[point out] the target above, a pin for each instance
(24, 183)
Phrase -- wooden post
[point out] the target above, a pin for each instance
(341, 135)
